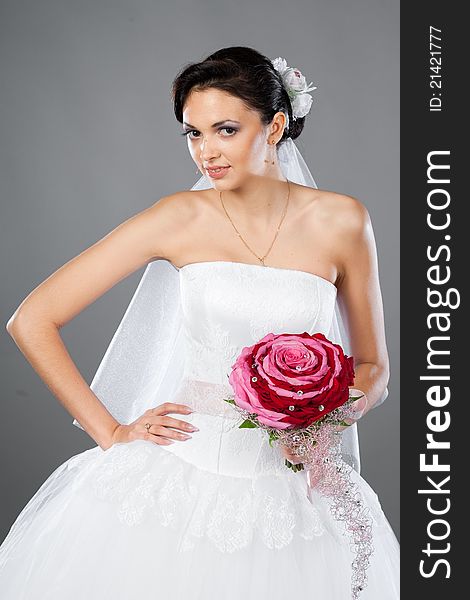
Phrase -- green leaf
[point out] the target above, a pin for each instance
(273, 436)
(247, 424)
(295, 468)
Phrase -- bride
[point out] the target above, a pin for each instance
(175, 500)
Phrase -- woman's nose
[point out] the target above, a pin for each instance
(208, 150)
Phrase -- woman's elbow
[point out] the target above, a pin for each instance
(383, 381)
(13, 321)
(21, 322)
(386, 373)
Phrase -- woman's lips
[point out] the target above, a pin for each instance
(218, 173)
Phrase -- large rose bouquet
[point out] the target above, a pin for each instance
(297, 388)
(294, 382)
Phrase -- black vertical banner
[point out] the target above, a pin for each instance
(435, 236)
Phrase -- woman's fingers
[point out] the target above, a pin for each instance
(159, 430)
(156, 439)
(357, 410)
(170, 407)
(175, 423)
(291, 457)
(358, 407)
(162, 428)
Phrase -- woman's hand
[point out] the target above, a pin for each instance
(287, 453)
(358, 408)
(162, 429)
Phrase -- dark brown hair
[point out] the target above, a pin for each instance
(242, 72)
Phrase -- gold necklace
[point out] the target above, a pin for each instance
(260, 258)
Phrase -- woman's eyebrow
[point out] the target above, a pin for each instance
(215, 124)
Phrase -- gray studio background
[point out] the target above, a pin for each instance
(88, 138)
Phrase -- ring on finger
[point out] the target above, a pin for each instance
(147, 426)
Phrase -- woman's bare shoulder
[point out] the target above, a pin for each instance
(185, 204)
(172, 218)
(341, 211)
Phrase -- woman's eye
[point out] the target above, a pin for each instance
(189, 132)
(227, 128)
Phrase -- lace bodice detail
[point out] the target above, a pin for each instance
(228, 305)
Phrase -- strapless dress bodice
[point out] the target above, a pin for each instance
(228, 305)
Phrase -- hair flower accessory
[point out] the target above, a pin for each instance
(296, 87)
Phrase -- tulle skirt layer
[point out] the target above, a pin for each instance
(139, 522)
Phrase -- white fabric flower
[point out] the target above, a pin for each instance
(296, 87)
(301, 105)
(295, 80)
(280, 64)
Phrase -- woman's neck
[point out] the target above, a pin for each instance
(262, 199)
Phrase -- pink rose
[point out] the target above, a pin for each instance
(292, 380)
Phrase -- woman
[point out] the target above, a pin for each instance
(176, 500)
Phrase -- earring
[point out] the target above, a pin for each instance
(270, 161)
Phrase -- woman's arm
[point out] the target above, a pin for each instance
(360, 299)
(36, 323)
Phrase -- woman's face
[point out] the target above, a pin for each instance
(222, 132)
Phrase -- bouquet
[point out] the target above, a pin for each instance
(294, 382)
(296, 387)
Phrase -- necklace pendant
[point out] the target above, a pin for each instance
(277, 231)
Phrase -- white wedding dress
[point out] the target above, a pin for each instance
(216, 516)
